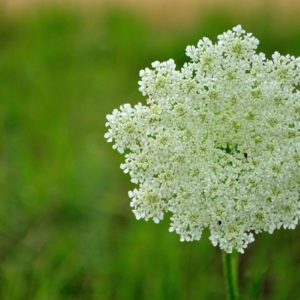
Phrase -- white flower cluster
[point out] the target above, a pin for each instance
(218, 144)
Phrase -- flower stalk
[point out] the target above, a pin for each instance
(230, 269)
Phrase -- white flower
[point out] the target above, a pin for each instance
(217, 145)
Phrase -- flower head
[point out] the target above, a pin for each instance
(217, 145)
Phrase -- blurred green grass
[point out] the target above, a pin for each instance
(66, 229)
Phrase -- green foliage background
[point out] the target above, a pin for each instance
(66, 229)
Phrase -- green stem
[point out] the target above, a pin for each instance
(230, 273)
